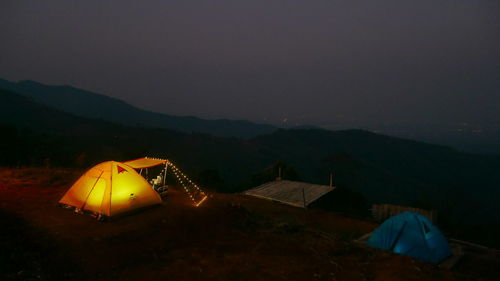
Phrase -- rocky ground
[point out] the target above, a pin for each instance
(229, 237)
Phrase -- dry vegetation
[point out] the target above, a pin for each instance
(231, 237)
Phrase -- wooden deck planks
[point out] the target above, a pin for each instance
(290, 192)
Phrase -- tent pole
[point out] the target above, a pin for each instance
(165, 175)
(92, 189)
(397, 237)
(110, 193)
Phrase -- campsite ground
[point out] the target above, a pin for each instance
(229, 237)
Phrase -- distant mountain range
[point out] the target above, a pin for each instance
(92, 105)
(97, 106)
(382, 168)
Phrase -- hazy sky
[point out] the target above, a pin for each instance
(315, 61)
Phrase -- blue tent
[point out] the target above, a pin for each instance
(412, 235)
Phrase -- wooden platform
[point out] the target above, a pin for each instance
(297, 194)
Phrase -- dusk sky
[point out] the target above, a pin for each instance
(318, 62)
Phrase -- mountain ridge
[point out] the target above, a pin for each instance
(98, 106)
(95, 105)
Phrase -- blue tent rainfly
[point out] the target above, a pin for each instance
(412, 235)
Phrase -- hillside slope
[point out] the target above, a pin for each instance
(229, 237)
(398, 166)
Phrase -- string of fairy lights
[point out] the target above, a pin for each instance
(182, 178)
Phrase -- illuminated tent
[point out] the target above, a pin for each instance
(109, 189)
(413, 235)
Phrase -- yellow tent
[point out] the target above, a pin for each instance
(109, 189)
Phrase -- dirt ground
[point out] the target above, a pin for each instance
(229, 237)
